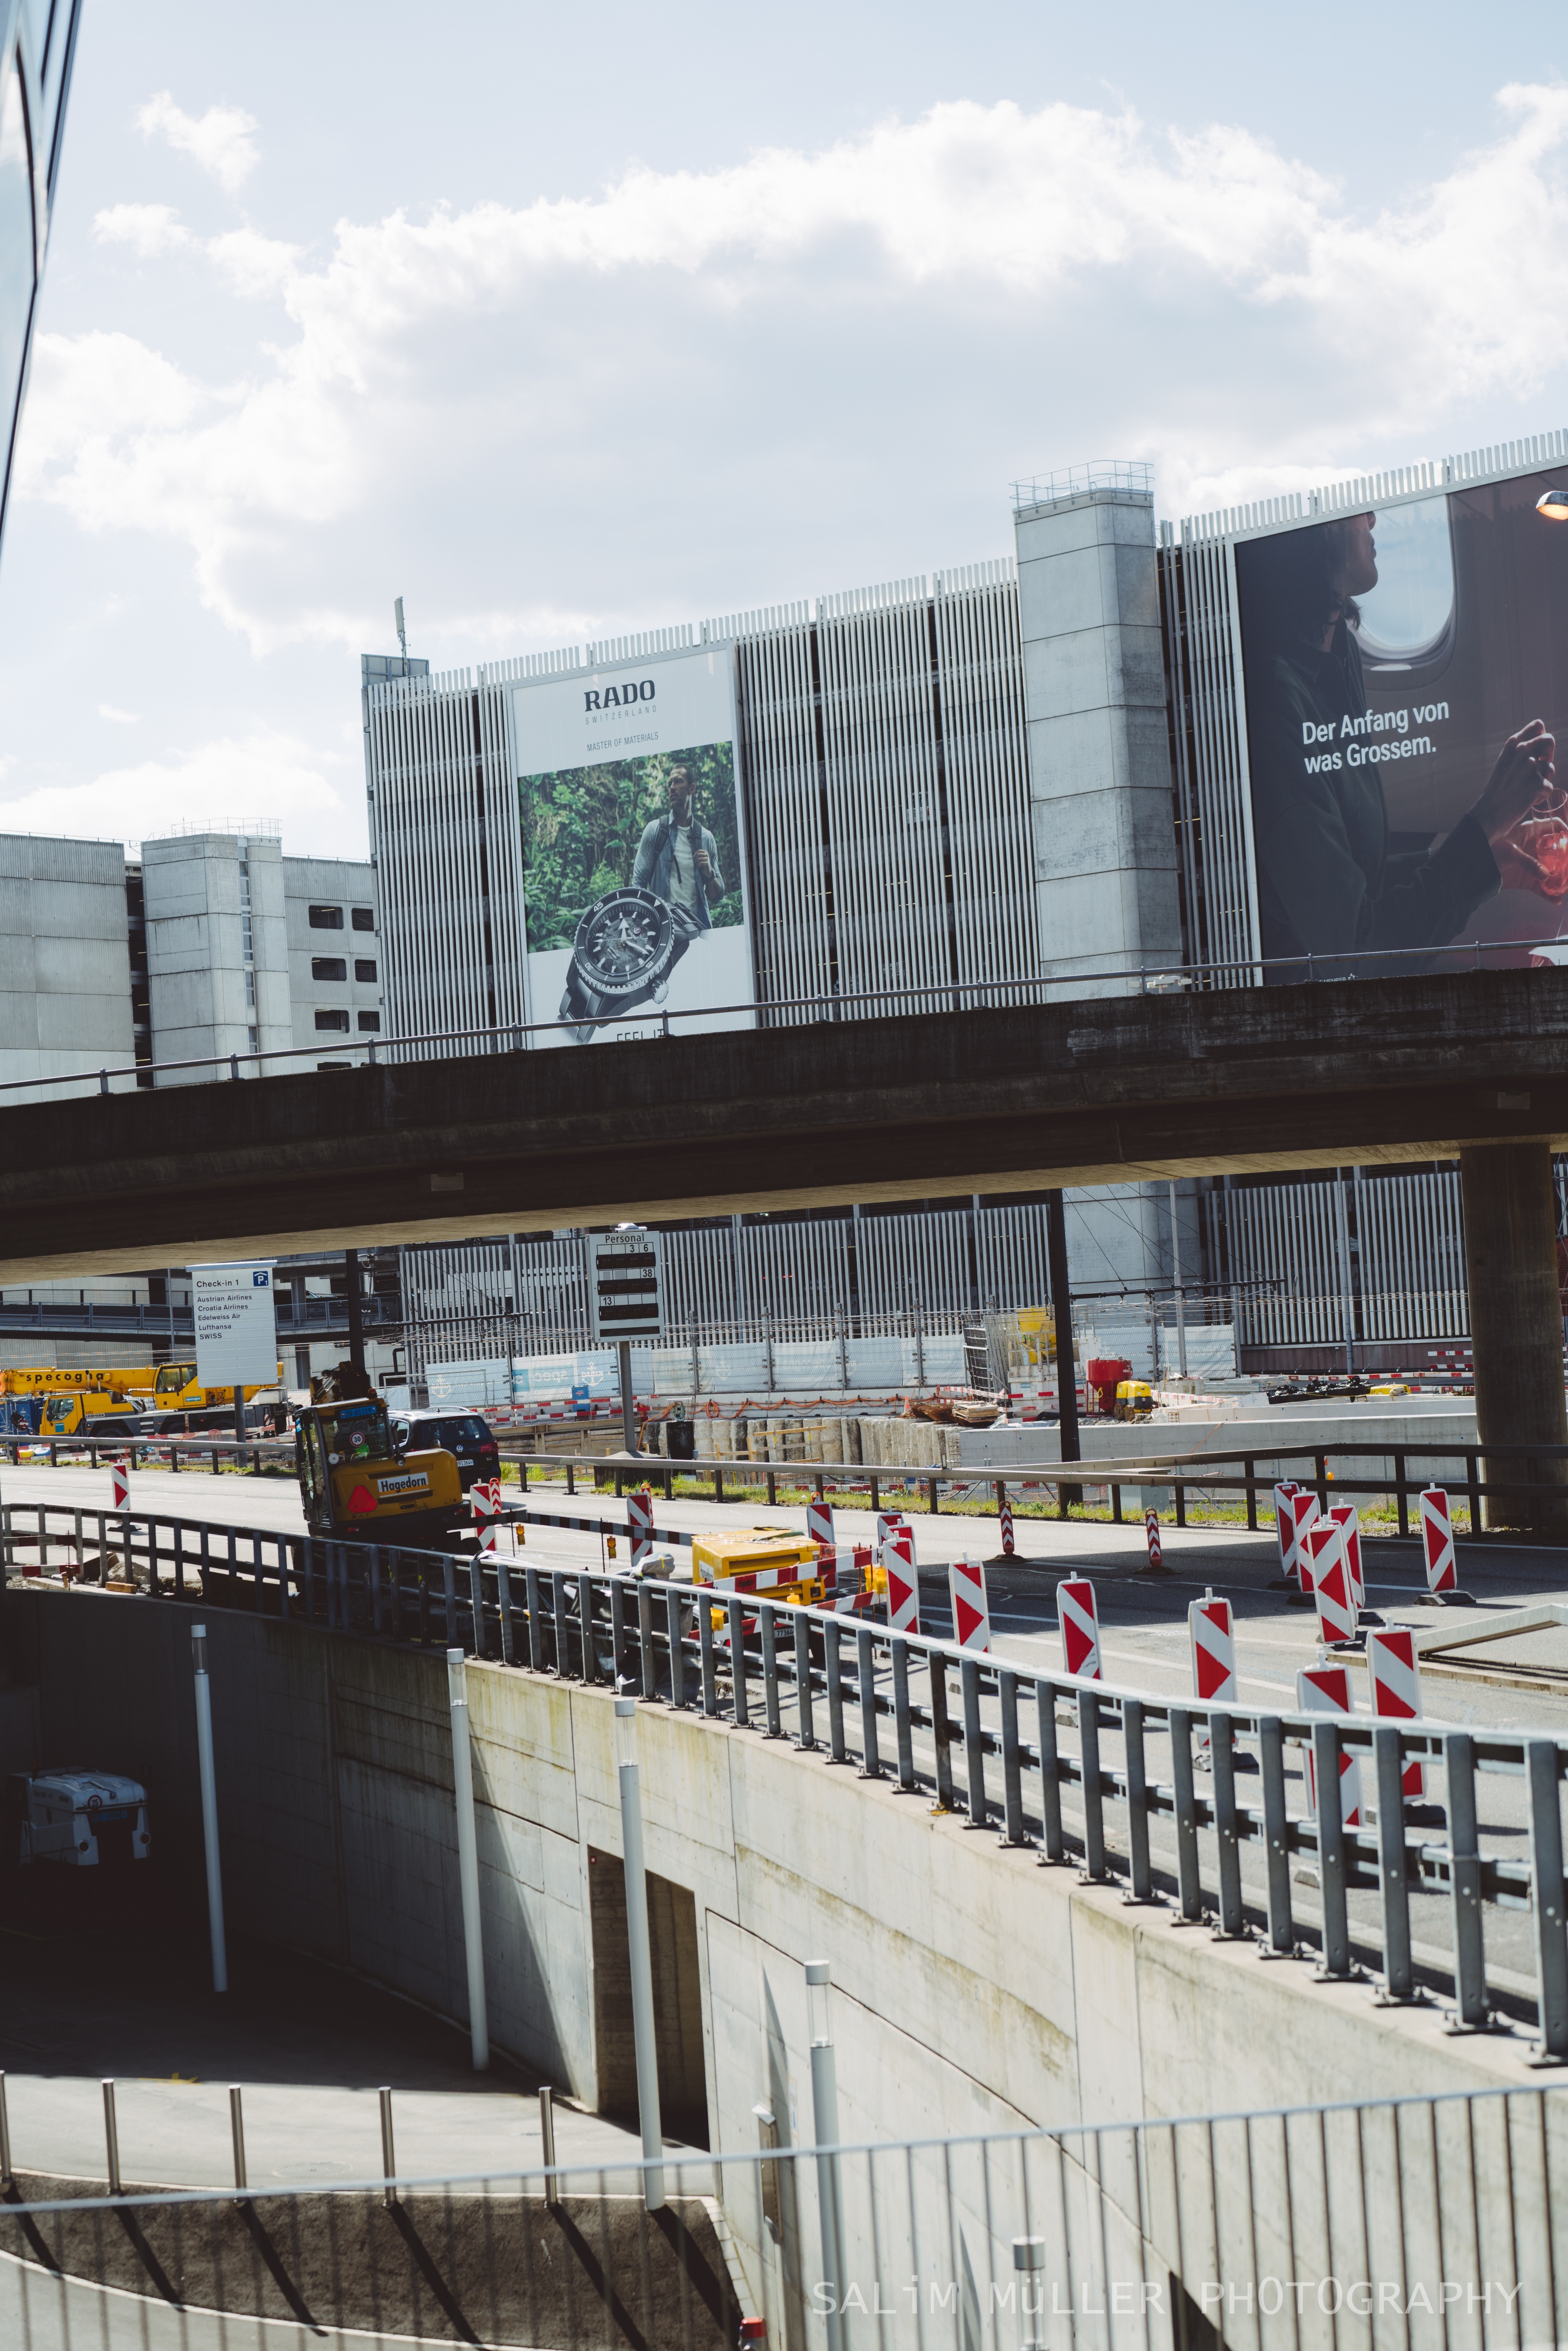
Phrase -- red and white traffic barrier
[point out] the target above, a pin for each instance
(1080, 1622)
(1331, 1583)
(1285, 1527)
(487, 1499)
(640, 1523)
(893, 1522)
(1213, 1632)
(1005, 1513)
(897, 1556)
(1151, 1537)
(971, 1605)
(1347, 1518)
(820, 1522)
(120, 1485)
(1325, 1689)
(1302, 1508)
(1395, 1672)
(1437, 1541)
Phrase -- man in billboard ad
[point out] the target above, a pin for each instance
(1406, 678)
(632, 870)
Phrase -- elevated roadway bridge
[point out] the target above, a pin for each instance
(1103, 1090)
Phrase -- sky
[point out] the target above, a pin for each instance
(565, 323)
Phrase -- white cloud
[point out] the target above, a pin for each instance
(149, 229)
(119, 717)
(232, 780)
(566, 380)
(222, 140)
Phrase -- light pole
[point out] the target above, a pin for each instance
(467, 1858)
(642, 1956)
(825, 2130)
(209, 1805)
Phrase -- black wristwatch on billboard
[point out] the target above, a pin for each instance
(626, 945)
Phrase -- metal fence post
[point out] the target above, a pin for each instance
(557, 1592)
(804, 1727)
(1540, 1771)
(1012, 1761)
(974, 1757)
(585, 1626)
(1189, 1884)
(1398, 1975)
(765, 1616)
(1336, 1960)
(941, 1736)
(705, 1656)
(546, 2143)
(738, 1663)
(1093, 1794)
(832, 1675)
(1141, 1886)
(1471, 2011)
(111, 2138)
(1222, 1756)
(678, 1648)
(1050, 1773)
(865, 1666)
(468, 1857)
(903, 1725)
(536, 1619)
(1276, 1849)
(477, 1602)
(648, 1663)
(388, 2160)
(236, 2132)
(504, 1605)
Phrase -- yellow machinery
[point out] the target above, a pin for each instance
(1133, 1399)
(173, 1387)
(781, 1565)
(74, 1412)
(355, 1486)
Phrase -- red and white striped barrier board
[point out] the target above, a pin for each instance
(893, 1522)
(1285, 1527)
(640, 1523)
(1213, 1632)
(487, 1500)
(120, 1486)
(1006, 1515)
(1080, 1622)
(903, 1587)
(1331, 1583)
(1395, 1672)
(1151, 1537)
(820, 1522)
(1437, 1541)
(1347, 1518)
(1325, 1689)
(1302, 1508)
(971, 1607)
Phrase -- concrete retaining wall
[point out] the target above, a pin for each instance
(975, 1988)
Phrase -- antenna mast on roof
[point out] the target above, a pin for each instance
(401, 632)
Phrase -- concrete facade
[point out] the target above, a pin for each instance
(336, 983)
(217, 958)
(65, 958)
(974, 1989)
(1099, 756)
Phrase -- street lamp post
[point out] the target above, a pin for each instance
(641, 1956)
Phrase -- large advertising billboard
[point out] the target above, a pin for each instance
(633, 866)
(1406, 678)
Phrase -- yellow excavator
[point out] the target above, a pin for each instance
(355, 1487)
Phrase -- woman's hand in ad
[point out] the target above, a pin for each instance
(1524, 770)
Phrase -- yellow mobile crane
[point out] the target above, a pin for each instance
(355, 1487)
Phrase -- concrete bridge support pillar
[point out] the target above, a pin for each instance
(1516, 1322)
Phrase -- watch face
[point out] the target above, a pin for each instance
(624, 943)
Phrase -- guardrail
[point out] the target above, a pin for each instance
(1217, 1857)
(1221, 1475)
(1417, 2221)
(1013, 989)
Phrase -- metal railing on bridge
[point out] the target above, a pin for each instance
(1414, 2222)
(998, 993)
(1103, 1776)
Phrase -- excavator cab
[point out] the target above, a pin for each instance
(355, 1486)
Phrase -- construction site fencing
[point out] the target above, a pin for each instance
(1408, 2222)
(1084, 1772)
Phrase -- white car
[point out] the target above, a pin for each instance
(80, 1818)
